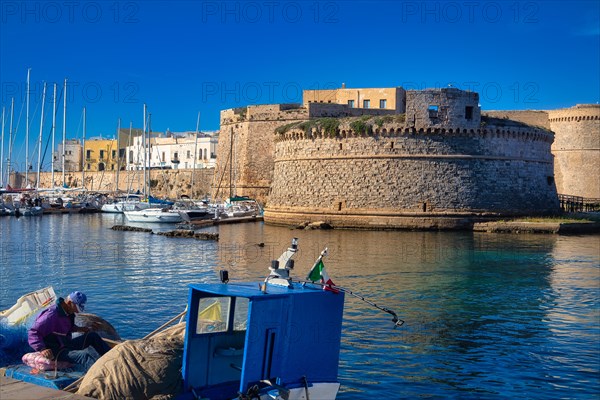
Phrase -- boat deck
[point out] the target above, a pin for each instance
(18, 390)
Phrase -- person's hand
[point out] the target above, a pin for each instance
(47, 353)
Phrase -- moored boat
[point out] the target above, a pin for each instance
(154, 215)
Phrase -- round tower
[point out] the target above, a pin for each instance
(576, 150)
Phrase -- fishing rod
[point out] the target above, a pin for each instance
(397, 321)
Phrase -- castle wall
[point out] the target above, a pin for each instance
(529, 117)
(400, 177)
(577, 150)
(250, 160)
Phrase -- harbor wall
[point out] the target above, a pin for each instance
(164, 183)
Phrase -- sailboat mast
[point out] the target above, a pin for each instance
(144, 149)
(2, 151)
(127, 157)
(231, 165)
(83, 155)
(10, 139)
(27, 133)
(53, 133)
(118, 155)
(149, 127)
(195, 153)
(64, 132)
(39, 166)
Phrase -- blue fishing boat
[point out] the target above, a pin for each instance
(268, 340)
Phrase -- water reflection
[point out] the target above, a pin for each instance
(486, 315)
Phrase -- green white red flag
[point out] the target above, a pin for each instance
(318, 272)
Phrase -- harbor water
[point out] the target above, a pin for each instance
(487, 315)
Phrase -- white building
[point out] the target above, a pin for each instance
(174, 151)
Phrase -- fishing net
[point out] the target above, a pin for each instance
(13, 342)
(139, 369)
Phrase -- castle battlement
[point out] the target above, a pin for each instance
(394, 130)
(264, 112)
(578, 113)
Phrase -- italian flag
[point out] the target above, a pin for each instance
(318, 273)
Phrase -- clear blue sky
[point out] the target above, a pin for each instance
(185, 57)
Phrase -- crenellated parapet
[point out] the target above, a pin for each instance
(524, 134)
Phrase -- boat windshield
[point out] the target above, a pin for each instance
(215, 314)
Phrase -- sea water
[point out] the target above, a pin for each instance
(487, 315)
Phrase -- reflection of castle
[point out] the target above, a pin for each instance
(403, 156)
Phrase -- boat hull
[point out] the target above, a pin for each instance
(321, 391)
(153, 215)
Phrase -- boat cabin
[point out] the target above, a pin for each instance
(259, 338)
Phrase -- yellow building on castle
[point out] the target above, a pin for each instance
(381, 98)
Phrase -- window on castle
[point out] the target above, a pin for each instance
(130, 156)
(351, 103)
(188, 154)
(366, 103)
(88, 154)
(433, 111)
(383, 103)
(101, 154)
(114, 154)
(469, 112)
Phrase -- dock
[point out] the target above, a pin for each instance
(18, 390)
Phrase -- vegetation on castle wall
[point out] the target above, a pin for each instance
(386, 119)
(328, 125)
(280, 130)
(361, 125)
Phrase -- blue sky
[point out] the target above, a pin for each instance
(185, 57)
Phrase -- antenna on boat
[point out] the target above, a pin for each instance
(280, 268)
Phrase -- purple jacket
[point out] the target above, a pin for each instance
(52, 325)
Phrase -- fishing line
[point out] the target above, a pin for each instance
(397, 321)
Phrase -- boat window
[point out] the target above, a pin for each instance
(240, 314)
(213, 314)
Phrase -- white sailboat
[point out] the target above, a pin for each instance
(153, 214)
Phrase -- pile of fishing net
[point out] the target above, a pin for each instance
(139, 369)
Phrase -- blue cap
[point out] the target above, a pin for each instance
(79, 300)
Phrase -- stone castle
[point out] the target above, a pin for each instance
(424, 159)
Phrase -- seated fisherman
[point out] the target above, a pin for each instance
(51, 333)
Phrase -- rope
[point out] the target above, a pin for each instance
(397, 321)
